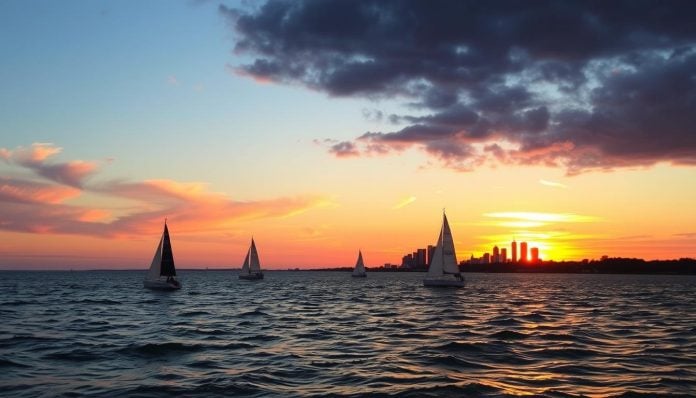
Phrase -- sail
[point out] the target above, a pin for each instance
(359, 266)
(449, 260)
(154, 271)
(167, 268)
(444, 259)
(245, 266)
(254, 264)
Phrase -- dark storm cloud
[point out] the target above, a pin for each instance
(582, 84)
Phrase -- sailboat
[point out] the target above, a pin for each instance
(251, 269)
(443, 269)
(162, 274)
(359, 270)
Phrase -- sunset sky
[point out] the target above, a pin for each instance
(324, 127)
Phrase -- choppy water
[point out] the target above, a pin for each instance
(325, 333)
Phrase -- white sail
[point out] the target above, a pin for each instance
(254, 264)
(154, 272)
(245, 266)
(450, 265)
(444, 259)
(359, 269)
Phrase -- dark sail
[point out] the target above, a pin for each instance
(167, 268)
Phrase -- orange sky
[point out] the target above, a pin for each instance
(83, 219)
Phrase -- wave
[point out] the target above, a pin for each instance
(195, 313)
(456, 362)
(534, 317)
(17, 303)
(74, 356)
(503, 321)
(457, 390)
(455, 346)
(7, 363)
(161, 349)
(96, 301)
(566, 353)
(26, 339)
(253, 313)
(508, 335)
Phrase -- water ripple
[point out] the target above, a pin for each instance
(317, 334)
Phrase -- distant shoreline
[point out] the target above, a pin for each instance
(684, 266)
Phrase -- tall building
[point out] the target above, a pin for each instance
(496, 254)
(514, 251)
(407, 261)
(486, 259)
(431, 252)
(503, 255)
(421, 258)
(535, 254)
(523, 252)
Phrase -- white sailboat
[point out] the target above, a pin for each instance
(443, 269)
(359, 270)
(162, 273)
(251, 269)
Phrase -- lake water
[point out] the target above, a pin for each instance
(327, 334)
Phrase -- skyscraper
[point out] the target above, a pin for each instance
(421, 258)
(523, 252)
(431, 251)
(503, 255)
(496, 255)
(535, 254)
(514, 251)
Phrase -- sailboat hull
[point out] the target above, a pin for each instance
(162, 285)
(251, 277)
(441, 282)
(359, 275)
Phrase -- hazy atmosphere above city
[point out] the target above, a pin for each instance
(325, 127)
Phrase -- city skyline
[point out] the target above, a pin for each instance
(319, 136)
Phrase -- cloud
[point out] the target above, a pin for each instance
(21, 191)
(404, 202)
(542, 217)
(344, 149)
(552, 184)
(32, 206)
(71, 173)
(591, 85)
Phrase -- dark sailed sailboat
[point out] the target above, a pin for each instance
(162, 274)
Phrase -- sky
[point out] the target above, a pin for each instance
(321, 128)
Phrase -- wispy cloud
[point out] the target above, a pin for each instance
(542, 217)
(28, 205)
(552, 184)
(404, 202)
(72, 173)
(20, 191)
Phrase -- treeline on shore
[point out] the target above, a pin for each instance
(610, 265)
